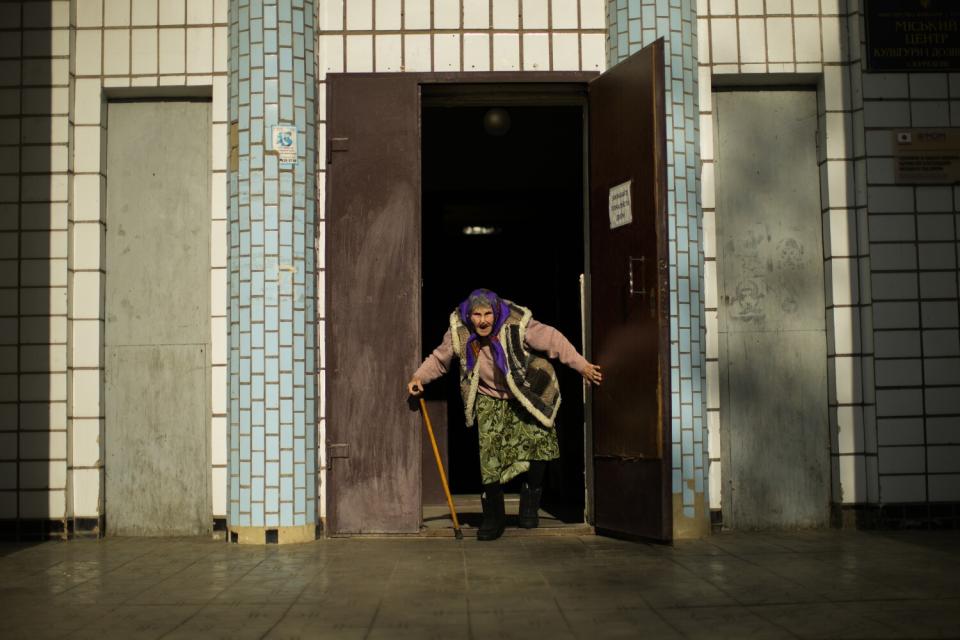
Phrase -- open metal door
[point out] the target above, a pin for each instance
(373, 303)
(630, 299)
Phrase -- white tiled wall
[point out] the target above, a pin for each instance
(120, 44)
(59, 127)
(460, 35)
(34, 185)
(747, 40)
(912, 275)
(888, 250)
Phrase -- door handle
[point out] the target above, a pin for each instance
(643, 276)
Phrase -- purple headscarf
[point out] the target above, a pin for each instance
(500, 314)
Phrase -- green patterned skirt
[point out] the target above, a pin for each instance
(510, 438)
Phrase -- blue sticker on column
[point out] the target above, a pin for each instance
(284, 144)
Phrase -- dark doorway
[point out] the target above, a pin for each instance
(504, 209)
(409, 167)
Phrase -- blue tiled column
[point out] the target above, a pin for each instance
(271, 410)
(633, 24)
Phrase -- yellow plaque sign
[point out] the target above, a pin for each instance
(926, 156)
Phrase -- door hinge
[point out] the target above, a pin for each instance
(336, 144)
(338, 450)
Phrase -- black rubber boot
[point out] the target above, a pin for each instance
(530, 506)
(494, 519)
(530, 494)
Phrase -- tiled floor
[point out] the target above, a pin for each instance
(826, 584)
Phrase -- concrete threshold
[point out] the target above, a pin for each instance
(438, 524)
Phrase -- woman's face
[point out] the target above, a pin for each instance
(482, 319)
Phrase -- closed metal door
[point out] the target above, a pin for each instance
(775, 448)
(157, 330)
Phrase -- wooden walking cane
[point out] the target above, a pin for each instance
(443, 476)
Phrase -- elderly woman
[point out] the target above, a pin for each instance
(511, 389)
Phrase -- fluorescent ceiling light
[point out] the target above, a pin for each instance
(476, 230)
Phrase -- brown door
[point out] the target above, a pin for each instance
(629, 288)
(373, 303)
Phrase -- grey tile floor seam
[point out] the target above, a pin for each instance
(258, 611)
(822, 584)
(823, 620)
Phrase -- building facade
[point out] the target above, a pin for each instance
(813, 290)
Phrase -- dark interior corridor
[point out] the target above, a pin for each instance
(503, 209)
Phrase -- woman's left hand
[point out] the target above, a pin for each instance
(591, 373)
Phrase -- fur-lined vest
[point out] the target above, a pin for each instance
(530, 376)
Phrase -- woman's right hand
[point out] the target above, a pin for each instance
(592, 374)
(415, 387)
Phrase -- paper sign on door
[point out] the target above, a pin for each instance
(621, 210)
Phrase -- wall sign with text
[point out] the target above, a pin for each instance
(285, 143)
(621, 209)
(912, 35)
(926, 156)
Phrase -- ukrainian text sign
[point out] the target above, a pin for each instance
(621, 210)
(913, 35)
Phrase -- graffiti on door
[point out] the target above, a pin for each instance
(770, 262)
